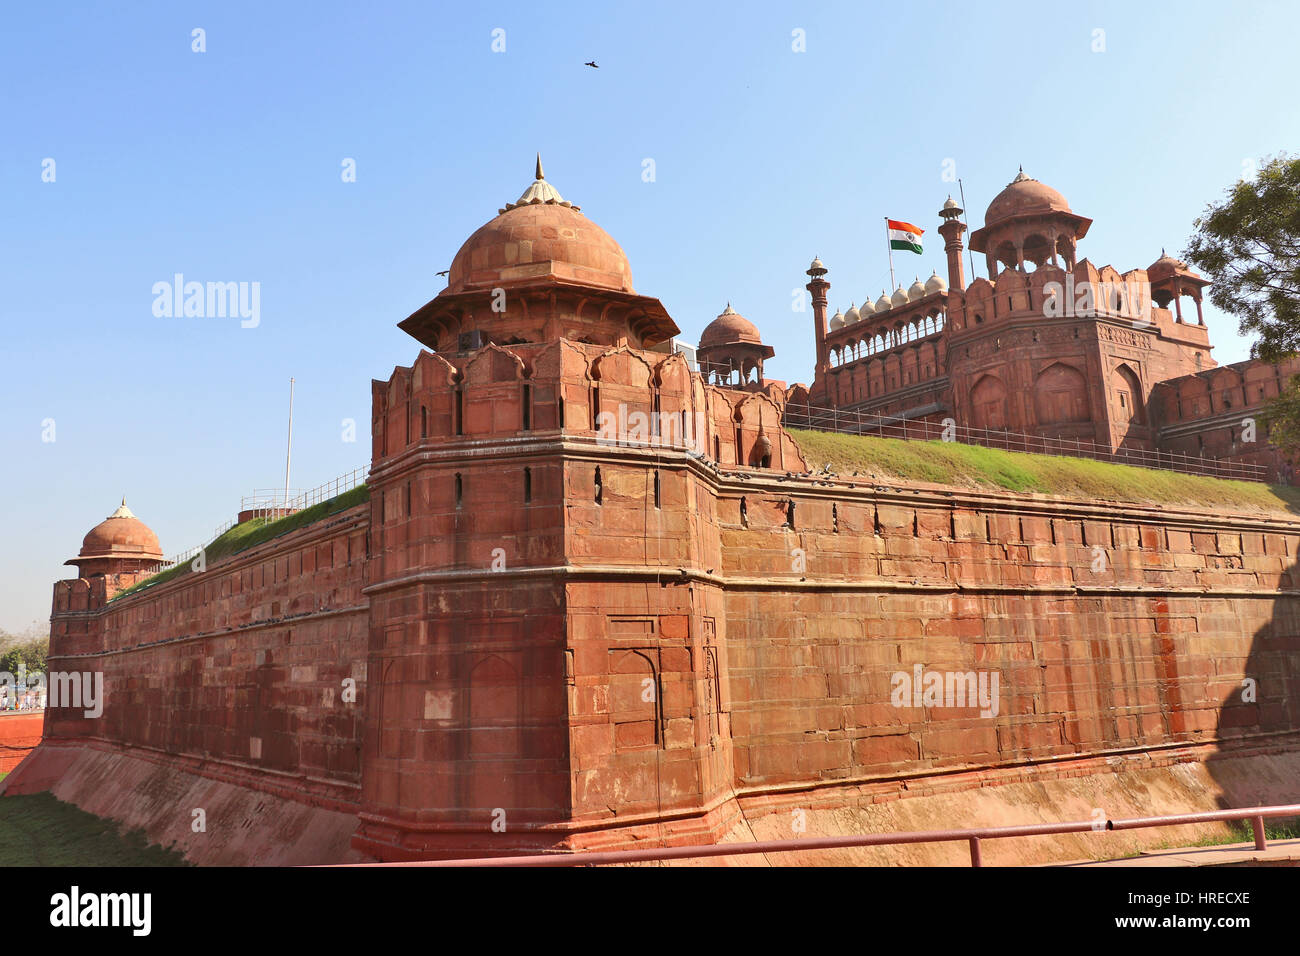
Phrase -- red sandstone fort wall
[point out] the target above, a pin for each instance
(1218, 413)
(594, 643)
(1149, 652)
(1113, 630)
(241, 666)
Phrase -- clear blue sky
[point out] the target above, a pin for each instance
(225, 166)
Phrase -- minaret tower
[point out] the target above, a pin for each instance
(819, 287)
(952, 230)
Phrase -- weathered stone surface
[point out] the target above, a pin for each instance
(540, 634)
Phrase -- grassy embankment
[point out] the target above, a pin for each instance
(972, 466)
(40, 830)
(257, 531)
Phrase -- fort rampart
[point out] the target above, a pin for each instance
(537, 635)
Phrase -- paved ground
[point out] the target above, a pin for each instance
(1278, 853)
(20, 731)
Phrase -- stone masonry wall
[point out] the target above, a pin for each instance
(573, 642)
(1111, 629)
(241, 666)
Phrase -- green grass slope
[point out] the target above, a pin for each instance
(40, 830)
(972, 466)
(257, 531)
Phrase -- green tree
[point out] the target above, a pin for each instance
(1248, 246)
(24, 652)
(1281, 417)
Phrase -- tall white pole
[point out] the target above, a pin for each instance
(889, 247)
(288, 451)
(970, 255)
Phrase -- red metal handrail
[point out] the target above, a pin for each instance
(972, 836)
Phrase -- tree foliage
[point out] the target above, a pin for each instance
(1248, 246)
(24, 651)
(1281, 417)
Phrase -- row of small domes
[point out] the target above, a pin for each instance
(901, 296)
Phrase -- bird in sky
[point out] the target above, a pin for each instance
(444, 272)
(592, 64)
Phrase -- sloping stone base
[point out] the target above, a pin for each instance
(247, 826)
(1187, 780)
(244, 826)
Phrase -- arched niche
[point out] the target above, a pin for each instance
(1061, 395)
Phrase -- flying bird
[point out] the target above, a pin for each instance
(592, 64)
(443, 272)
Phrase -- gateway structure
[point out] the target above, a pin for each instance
(1049, 345)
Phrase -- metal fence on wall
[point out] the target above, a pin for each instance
(885, 426)
(277, 503)
(272, 504)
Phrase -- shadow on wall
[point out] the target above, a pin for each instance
(1260, 710)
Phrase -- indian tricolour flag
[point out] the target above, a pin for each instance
(904, 235)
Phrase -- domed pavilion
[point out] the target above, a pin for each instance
(539, 271)
(120, 543)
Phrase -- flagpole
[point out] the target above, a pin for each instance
(890, 246)
(288, 451)
(969, 254)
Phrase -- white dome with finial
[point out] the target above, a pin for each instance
(853, 315)
(540, 192)
(837, 321)
(936, 283)
(867, 308)
(899, 297)
(883, 303)
(917, 290)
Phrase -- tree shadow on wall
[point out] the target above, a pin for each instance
(1257, 762)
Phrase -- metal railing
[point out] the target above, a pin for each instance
(277, 503)
(972, 837)
(856, 422)
(269, 498)
(273, 504)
